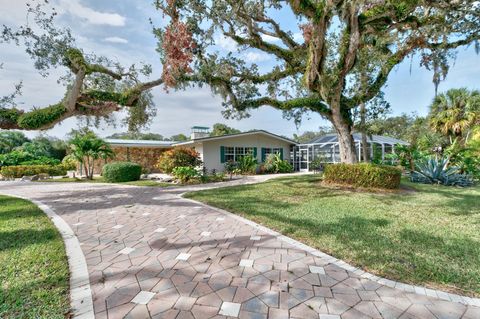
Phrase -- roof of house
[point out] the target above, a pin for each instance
(140, 143)
(253, 132)
(357, 137)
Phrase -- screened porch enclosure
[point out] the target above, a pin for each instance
(326, 149)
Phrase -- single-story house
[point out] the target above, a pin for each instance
(214, 151)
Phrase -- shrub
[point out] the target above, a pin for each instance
(363, 175)
(247, 164)
(178, 157)
(29, 170)
(184, 173)
(231, 168)
(275, 164)
(437, 171)
(121, 172)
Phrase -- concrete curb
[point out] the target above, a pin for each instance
(340, 263)
(81, 302)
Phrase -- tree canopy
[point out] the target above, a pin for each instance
(347, 51)
(220, 129)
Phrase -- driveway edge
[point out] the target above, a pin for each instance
(81, 301)
(340, 263)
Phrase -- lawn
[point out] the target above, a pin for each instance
(34, 273)
(143, 182)
(429, 235)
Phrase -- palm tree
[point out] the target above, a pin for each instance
(87, 148)
(455, 113)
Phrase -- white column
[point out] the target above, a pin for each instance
(383, 151)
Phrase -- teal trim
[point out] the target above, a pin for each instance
(281, 153)
(264, 151)
(222, 154)
(255, 152)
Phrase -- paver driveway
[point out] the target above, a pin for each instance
(151, 254)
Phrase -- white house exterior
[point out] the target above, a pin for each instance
(216, 151)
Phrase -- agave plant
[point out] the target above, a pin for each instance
(437, 171)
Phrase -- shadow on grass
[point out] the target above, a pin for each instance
(21, 238)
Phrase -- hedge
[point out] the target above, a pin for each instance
(121, 172)
(363, 175)
(30, 170)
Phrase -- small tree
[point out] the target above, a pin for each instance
(455, 113)
(86, 148)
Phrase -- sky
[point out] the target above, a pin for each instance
(121, 31)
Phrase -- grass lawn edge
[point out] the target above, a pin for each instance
(443, 292)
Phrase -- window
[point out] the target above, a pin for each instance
(236, 153)
(275, 150)
(271, 150)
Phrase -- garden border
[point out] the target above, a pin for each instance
(469, 301)
(81, 301)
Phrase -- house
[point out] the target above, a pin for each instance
(214, 151)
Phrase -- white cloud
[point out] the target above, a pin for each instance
(298, 37)
(74, 7)
(226, 43)
(115, 40)
(256, 57)
(269, 38)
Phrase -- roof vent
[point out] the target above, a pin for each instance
(199, 132)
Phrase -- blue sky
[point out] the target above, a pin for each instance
(121, 31)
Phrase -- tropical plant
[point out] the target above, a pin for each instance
(434, 170)
(407, 155)
(87, 148)
(247, 164)
(274, 164)
(178, 157)
(455, 113)
(185, 173)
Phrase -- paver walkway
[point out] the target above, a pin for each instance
(151, 254)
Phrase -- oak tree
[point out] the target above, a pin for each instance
(319, 72)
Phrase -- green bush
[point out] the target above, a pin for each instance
(121, 172)
(275, 164)
(178, 157)
(247, 164)
(363, 175)
(30, 170)
(184, 173)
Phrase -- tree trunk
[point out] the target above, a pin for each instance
(345, 138)
(365, 153)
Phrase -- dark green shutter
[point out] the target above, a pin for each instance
(255, 152)
(281, 153)
(263, 154)
(222, 154)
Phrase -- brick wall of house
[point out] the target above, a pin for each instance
(145, 156)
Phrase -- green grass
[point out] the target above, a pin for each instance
(34, 275)
(148, 183)
(429, 235)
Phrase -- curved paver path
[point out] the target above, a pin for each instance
(152, 254)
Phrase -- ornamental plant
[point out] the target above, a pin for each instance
(185, 173)
(87, 149)
(178, 157)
